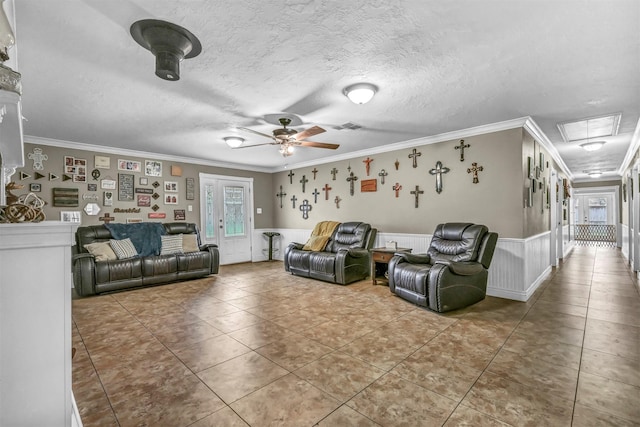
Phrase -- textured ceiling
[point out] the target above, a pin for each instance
(440, 67)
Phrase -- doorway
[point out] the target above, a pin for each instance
(226, 206)
(596, 216)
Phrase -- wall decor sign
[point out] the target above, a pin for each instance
(134, 220)
(92, 209)
(35, 188)
(179, 215)
(102, 162)
(176, 170)
(108, 184)
(144, 200)
(65, 197)
(144, 190)
(369, 185)
(95, 174)
(144, 181)
(129, 165)
(125, 187)
(70, 216)
(108, 198)
(157, 215)
(530, 167)
(171, 186)
(38, 157)
(90, 196)
(191, 189)
(127, 210)
(152, 168)
(170, 199)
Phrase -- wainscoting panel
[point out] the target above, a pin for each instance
(624, 231)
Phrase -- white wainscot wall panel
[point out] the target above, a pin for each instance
(568, 240)
(624, 231)
(260, 251)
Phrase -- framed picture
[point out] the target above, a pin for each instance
(102, 162)
(133, 220)
(176, 170)
(541, 161)
(179, 215)
(125, 187)
(144, 200)
(530, 167)
(191, 188)
(69, 161)
(70, 169)
(65, 197)
(70, 216)
(108, 184)
(79, 178)
(92, 187)
(108, 198)
(80, 162)
(152, 168)
(170, 186)
(144, 181)
(170, 199)
(129, 165)
(35, 188)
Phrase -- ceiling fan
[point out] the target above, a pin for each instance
(288, 138)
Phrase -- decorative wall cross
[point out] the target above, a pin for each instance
(397, 189)
(334, 171)
(107, 218)
(417, 192)
(382, 174)
(293, 199)
(461, 147)
(337, 201)
(315, 195)
(326, 191)
(438, 171)
(281, 195)
(37, 158)
(414, 155)
(314, 172)
(397, 164)
(475, 169)
(303, 181)
(367, 163)
(290, 175)
(305, 207)
(351, 180)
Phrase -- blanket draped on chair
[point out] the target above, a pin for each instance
(320, 235)
(145, 236)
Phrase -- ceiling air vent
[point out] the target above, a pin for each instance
(348, 126)
(594, 127)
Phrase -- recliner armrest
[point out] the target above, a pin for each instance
(357, 252)
(462, 268)
(206, 247)
(76, 257)
(414, 258)
(296, 245)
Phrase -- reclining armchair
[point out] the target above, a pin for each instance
(452, 274)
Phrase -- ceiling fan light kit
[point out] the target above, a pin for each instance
(360, 93)
(592, 146)
(233, 141)
(169, 43)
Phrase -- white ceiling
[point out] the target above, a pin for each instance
(440, 66)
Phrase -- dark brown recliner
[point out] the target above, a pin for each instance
(452, 274)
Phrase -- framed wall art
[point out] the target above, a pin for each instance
(179, 215)
(125, 187)
(170, 199)
(152, 168)
(191, 188)
(102, 162)
(129, 165)
(35, 188)
(65, 197)
(170, 186)
(144, 200)
(70, 216)
(108, 184)
(108, 198)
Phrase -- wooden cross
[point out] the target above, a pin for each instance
(367, 163)
(326, 191)
(397, 189)
(107, 218)
(305, 207)
(334, 171)
(397, 164)
(315, 195)
(438, 171)
(414, 155)
(337, 201)
(281, 195)
(461, 147)
(304, 180)
(417, 192)
(382, 174)
(293, 199)
(314, 172)
(475, 169)
(290, 175)
(351, 180)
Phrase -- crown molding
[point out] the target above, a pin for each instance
(532, 127)
(134, 153)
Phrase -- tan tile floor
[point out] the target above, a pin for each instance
(256, 346)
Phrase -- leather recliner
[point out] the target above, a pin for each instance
(345, 258)
(452, 274)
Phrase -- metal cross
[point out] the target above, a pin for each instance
(349, 167)
(475, 169)
(334, 171)
(314, 172)
(382, 174)
(397, 188)
(337, 201)
(305, 207)
(304, 180)
(290, 175)
(281, 195)
(315, 195)
(107, 218)
(438, 171)
(293, 199)
(417, 192)
(351, 180)
(397, 164)
(326, 191)
(461, 147)
(414, 155)
(367, 163)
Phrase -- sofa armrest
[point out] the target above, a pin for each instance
(413, 258)
(462, 268)
(215, 256)
(293, 246)
(351, 264)
(357, 252)
(450, 291)
(84, 279)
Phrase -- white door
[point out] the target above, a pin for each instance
(554, 218)
(226, 216)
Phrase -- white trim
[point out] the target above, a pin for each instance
(532, 127)
(631, 152)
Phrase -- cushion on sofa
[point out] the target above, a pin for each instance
(171, 244)
(101, 251)
(190, 243)
(123, 248)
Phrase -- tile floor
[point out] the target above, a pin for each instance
(256, 346)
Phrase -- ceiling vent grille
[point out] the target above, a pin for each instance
(348, 126)
(594, 127)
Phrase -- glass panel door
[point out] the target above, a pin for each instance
(234, 211)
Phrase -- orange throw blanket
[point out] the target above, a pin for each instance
(320, 235)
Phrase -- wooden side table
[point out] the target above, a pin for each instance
(380, 258)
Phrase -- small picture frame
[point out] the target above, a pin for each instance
(170, 199)
(69, 161)
(35, 187)
(179, 215)
(176, 170)
(134, 220)
(70, 216)
(108, 184)
(170, 186)
(152, 168)
(102, 162)
(191, 188)
(530, 167)
(144, 181)
(79, 178)
(129, 165)
(542, 161)
(144, 200)
(92, 187)
(108, 198)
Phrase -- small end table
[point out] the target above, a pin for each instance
(380, 258)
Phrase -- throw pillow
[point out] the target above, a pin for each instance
(101, 251)
(190, 243)
(316, 243)
(123, 248)
(171, 244)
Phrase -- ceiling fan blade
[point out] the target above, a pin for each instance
(256, 145)
(318, 145)
(256, 132)
(314, 130)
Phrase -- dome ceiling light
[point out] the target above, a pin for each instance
(592, 146)
(360, 93)
(595, 174)
(169, 43)
(233, 141)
